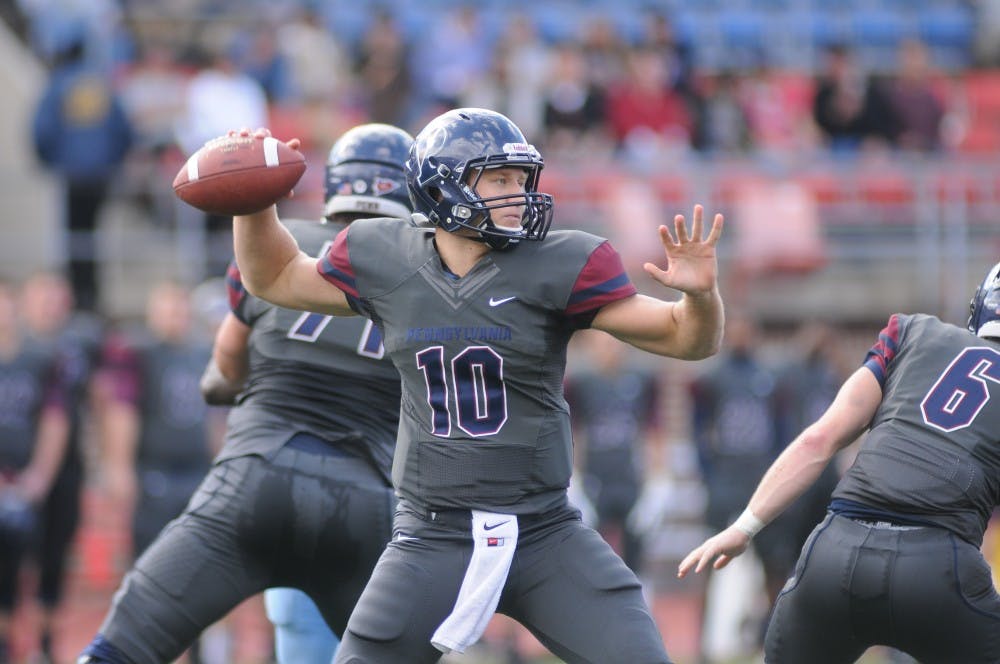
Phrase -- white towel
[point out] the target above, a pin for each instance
(494, 539)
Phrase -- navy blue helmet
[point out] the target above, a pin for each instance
(984, 309)
(446, 160)
(364, 172)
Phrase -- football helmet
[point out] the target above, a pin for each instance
(364, 172)
(984, 309)
(446, 160)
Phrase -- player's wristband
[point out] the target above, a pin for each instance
(749, 523)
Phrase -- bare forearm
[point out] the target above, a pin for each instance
(791, 474)
(795, 470)
(263, 248)
(699, 322)
(274, 268)
(804, 459)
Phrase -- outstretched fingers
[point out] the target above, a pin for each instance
(697, 229)
(715, 232)
(697, 217)
(680, 229)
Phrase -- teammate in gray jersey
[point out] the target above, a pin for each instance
(477, 301)
(897, 560)
(299, 497)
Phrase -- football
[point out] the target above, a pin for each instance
(234, 175)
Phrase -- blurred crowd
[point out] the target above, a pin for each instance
(595, 87)
(150, 83)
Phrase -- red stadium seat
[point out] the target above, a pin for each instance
(673, 190)
(982, 90)
(886, 188)
(826, 188)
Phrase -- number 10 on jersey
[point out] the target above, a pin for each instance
(474, 391)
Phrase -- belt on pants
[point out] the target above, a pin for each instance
(462, 518)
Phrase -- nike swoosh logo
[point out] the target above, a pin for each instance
(406, 538)
(496, 302)
(491, 526)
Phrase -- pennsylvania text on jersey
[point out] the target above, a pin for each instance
(495, 333)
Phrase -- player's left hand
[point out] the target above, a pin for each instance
(692, 266)
(717, 550)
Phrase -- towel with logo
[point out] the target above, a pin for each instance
(494, 539)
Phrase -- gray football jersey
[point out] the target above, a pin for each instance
(30, 381)
(160, 379)
(483, 421)
(323, 375)
(933, 451)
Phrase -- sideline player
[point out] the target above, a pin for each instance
(897, 561)
(299, 496)
(49, 312)
(34, 430)
(477, 309)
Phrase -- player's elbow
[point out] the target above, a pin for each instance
(707, 346)
(699, 347)
(257, 287)
(274, 285)
(820, 441)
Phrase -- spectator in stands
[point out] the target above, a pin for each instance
(384, 72)
(82, 134)
(849, 107)
(219, 96)
(452, 56)
(777, 108)
(660, 36)
(152, 92)
(605, 51)
(644, 113)
(519, 76)
(723, 126)
(34, 426)
(49, 316)
(574, 107)
(318, 65)
(259, 56)
(916, 105)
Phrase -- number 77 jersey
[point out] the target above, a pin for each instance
(935, 439)
(483, 422)
(312, 373)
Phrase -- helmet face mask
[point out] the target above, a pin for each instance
(446, 162)
(364, 173)
(984, 308)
